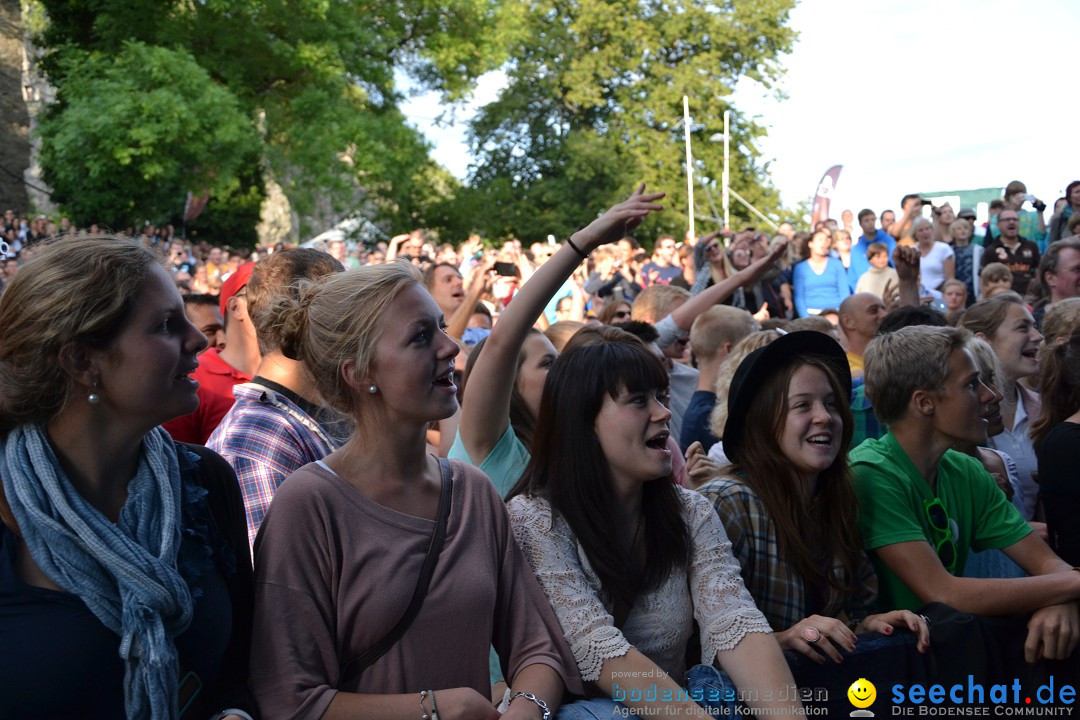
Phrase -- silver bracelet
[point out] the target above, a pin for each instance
(434, 710)
(232, 711)
(537, 701)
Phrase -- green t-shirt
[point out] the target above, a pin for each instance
(892, 494)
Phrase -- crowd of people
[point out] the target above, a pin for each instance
(571, 480)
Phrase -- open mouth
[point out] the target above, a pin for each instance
(1031, 353)
(446, 380)
(821, 440)
(659, 441)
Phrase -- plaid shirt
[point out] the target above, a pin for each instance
(771, 580)
(265, 437)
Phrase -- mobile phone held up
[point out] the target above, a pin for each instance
(506, 269)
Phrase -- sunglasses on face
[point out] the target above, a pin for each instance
(943, 543)
(620, 314)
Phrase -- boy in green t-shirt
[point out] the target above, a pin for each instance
(923, 506)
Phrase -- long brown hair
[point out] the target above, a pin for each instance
(1060, 387)
(570, 470)
(809, 544)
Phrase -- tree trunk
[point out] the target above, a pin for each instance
(14, 116)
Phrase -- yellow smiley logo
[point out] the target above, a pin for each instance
(862, 693)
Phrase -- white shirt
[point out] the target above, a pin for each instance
(710, 590)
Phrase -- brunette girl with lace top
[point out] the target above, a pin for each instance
(629, 560)
(125, 577)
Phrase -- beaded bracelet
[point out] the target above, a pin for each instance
(434, 710)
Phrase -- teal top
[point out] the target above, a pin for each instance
(892, 496)
(505, 464)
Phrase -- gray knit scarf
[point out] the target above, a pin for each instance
(125, 573)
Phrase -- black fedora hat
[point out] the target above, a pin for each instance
(763, 362)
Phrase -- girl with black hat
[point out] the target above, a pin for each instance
(787, 501)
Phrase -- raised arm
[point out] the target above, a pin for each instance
(393, 246)
(479, 283)
(906, 262)
(685, 314)
(485, 411)
(913, 211)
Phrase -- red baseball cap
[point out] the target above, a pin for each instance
(233, 284)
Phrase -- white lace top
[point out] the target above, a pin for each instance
(661, 622)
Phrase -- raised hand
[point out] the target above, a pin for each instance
(906, 262)
(618, 221)
(700, 468)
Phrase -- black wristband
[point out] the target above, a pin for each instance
(570, 242)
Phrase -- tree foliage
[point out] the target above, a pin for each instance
(591, 109)
(136, 131)
(594, 103)
(315, 77)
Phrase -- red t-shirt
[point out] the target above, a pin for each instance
(216, 379)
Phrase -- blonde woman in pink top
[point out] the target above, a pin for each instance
(341, 550)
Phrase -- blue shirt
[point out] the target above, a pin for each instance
(819, 292)
(859, 262)
(695, 424)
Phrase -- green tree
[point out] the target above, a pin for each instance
(135, 131)
(594, 102)
(316, 77)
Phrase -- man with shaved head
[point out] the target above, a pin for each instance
(860, 315)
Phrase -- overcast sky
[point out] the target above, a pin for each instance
(908, 96)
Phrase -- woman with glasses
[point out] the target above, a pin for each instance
(711, 264)
(788, 505)
(820, 281)
(614, 312)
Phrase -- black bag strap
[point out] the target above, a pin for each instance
(357, 665)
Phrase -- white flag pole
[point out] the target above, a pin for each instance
(689, 167)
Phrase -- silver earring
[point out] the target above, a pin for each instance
(93, 398)
(372, 389)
